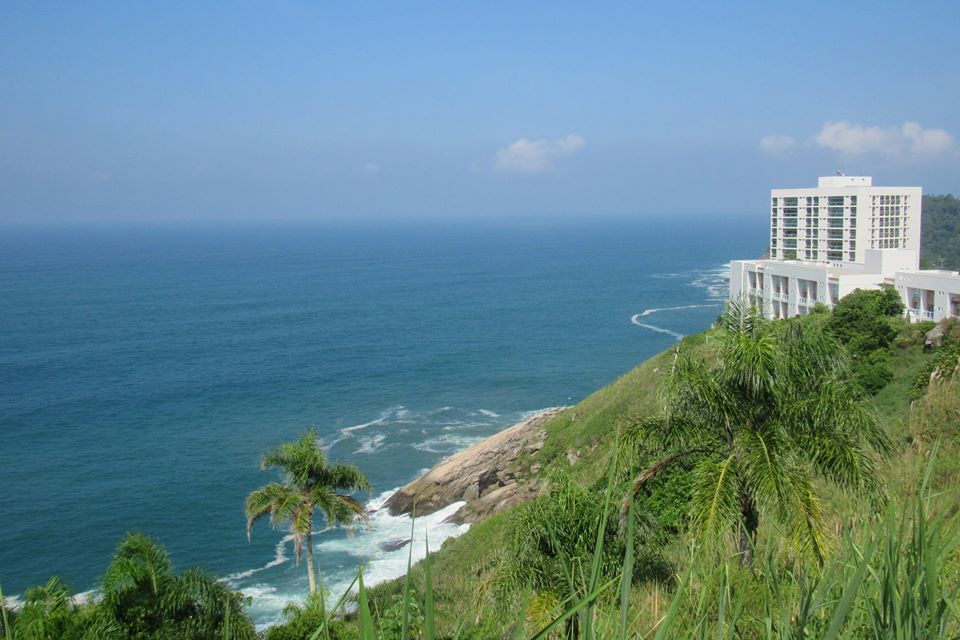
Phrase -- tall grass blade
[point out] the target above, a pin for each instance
(588, 630)
(574, 610)
(844, 605)
(226, 620)
(366, 620)
(663, 631)
(405, 626)
(325, 627)
(626, 580)
(7, 631)
(428, 628)
(343, 597)
(323, 606)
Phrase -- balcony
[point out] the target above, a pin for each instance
(807, 301)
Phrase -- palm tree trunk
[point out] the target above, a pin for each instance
(311, 576)
(750, 520)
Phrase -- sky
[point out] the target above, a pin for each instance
(125, 111)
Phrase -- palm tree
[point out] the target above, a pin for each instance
(309, 483)
(775, 407)
(143, 595)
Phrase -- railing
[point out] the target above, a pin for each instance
(778, 295)
(807, 301)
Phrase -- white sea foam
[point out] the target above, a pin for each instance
(279, 557)
(367, 544)
(14, 603)
(635, 319)
(363, 425)
(447, 443)
(716, 281)
(647, 312)
(371, 444)
(445, 430)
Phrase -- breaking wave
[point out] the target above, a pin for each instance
(635, 320)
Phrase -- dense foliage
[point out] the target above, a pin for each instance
(866, 323)
(141, 598)
(771, 411)
(940, 235)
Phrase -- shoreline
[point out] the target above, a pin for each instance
(487, 477)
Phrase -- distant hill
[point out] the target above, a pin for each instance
(940, 236)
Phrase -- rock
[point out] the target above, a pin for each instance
(472, 492)
(393, 545)
(496, 501)
(934, 338)
(486, 475)
(573, 457)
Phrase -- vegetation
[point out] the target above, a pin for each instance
(940, 236)
(866, 322)
(310, 483)
(774, 409)
(140, 597)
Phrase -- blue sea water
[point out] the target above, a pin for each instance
(144, 370)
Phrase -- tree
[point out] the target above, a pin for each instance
(144, 596)
(770, 410)
(861, 320)
(309, 483)
(50, 612)
(864, 322)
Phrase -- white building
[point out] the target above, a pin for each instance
(843, 235)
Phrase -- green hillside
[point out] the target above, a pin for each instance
(940, 236)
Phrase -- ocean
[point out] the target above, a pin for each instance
(145, 369)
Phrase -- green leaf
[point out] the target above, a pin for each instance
(405, 626)
(428, 588)
(627, 576)
(366, 620)
(7, 631)
(845, 603)
(588, 600)
(663, 630)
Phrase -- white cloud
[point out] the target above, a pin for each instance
(531, 156)
(910, 138)
(926, 140)
(777, 143)
(370, 169)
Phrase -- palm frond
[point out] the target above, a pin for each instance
(806, 525)
(278, 501)
(714, 501)
(763, 455)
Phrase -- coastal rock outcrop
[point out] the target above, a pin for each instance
(489, 476)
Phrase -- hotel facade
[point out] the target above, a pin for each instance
(845, 234)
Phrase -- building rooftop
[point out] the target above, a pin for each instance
(832, 182)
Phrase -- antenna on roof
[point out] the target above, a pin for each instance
(840, 173)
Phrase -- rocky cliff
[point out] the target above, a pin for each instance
(489, 476)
